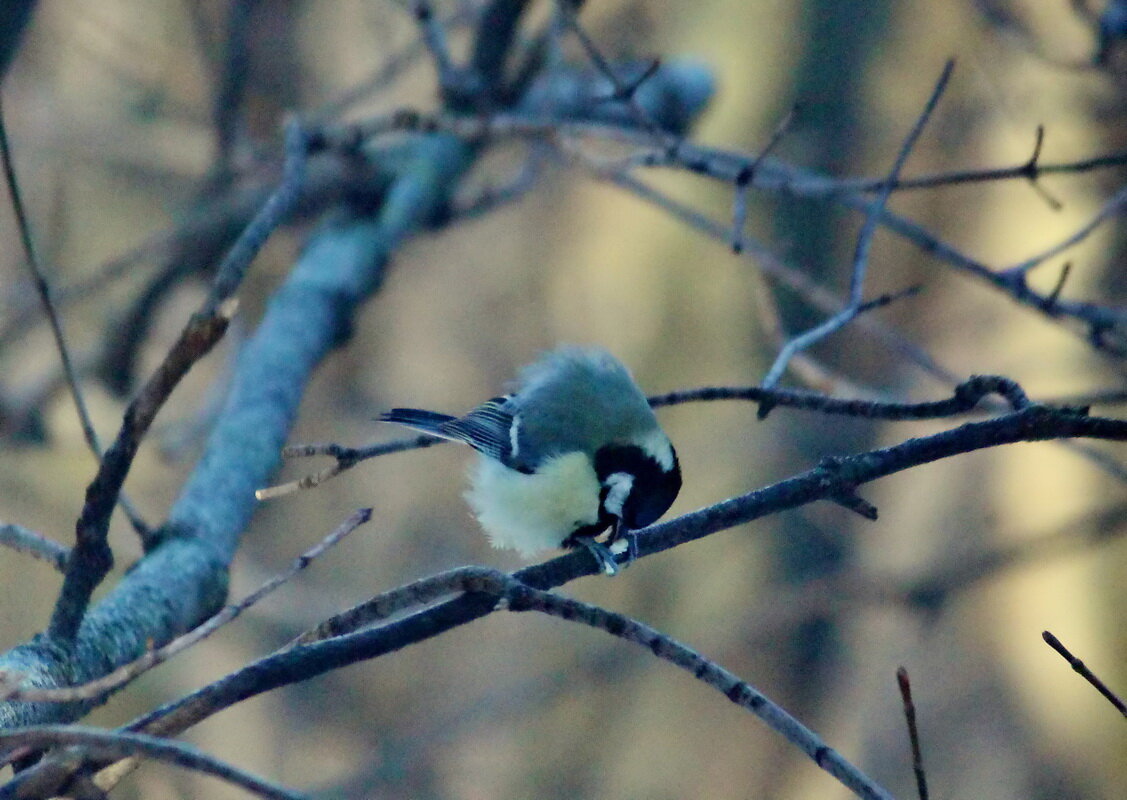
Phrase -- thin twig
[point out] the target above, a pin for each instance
(990, 175)
(622, 91)
(746, 177)
(723, 164)
(127, 672)
(521, 597)
(43, 289)
(1082, 669)
(1030, 170)
(873, 216)
(905, 685)
(386, 604)
(433, 35)
(274, 212)
(514, 595)
(23, 540)
(346, 458)
(91, 557)
(965, 397)
(103, 745)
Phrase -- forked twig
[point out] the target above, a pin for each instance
(91, 557)
(746, 177)
(873, 217)
(127, 672)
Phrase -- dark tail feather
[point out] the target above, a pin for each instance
(425, 421)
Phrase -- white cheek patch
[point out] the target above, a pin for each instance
(656, 444)
(618, 487)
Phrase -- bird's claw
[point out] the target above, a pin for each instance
(601, 553)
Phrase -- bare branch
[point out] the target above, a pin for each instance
(864, 243)
(1082, 669)
(746, 176)
(43, 288)
(500, 590)
(418, 593)
(273, 213)
(127, 672)
(91, 558)
(102, 745)
(1104, 325)
(27, 541)
(905, 685)
(1033, 423)
(1028, 170)
(521, 597)
(966, 397)
(346, 457)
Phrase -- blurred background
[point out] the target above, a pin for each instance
(112, 113)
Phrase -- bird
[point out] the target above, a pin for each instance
(572, 451)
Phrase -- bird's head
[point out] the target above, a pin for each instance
(640, 479)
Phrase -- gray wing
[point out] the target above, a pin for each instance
(487, 429)
(490, 428)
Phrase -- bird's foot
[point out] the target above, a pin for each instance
(600, 552)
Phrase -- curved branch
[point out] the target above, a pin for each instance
(825, 482)
(114, 745)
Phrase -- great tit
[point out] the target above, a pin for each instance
(575, 449)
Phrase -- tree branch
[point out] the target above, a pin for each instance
(113, 745)
(27, 541)
(1033, 423)
(128, 672)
